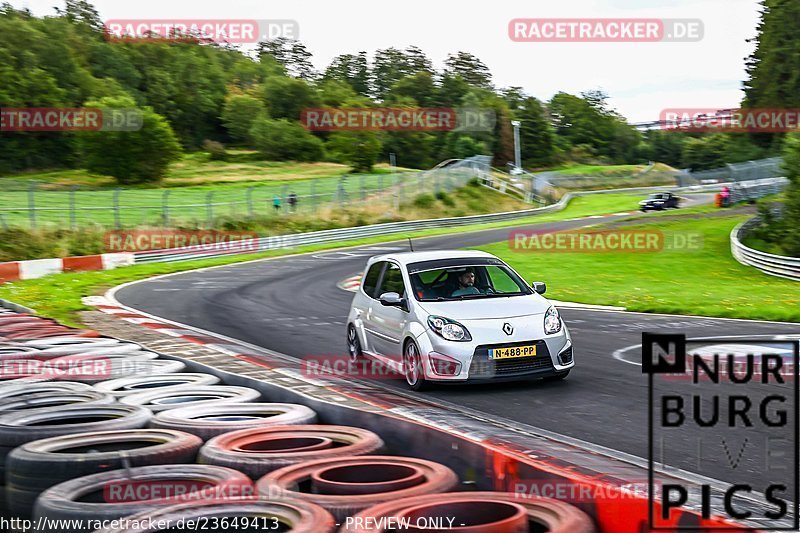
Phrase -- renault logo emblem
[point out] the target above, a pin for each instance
(508, 329)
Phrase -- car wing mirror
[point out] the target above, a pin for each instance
(392, 299)
(539, 287)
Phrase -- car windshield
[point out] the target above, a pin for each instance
(658, 196)
(466, 281)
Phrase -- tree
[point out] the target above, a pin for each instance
(392, 65)
(131, 157)
(791, 210)
(419, 87)
(351, 69)
(287, 97)
(284, 140)
(290, 53)
(239, 114)
(705, 152)
(469, 68)
(360, 149)
(536, 134)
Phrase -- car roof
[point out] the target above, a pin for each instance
(404, 258)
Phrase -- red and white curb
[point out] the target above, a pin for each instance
(37, 268)
(350, 284)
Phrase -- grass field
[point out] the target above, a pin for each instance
(195, 190)
(59, 296)
(705, 282)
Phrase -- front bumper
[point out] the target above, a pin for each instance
(554, 355)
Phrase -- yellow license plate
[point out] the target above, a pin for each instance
(516, 351)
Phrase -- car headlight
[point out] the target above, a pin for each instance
(552, 321)
(449, 330)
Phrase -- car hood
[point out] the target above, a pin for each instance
(489, 308)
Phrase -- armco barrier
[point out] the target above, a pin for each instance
(774, 265)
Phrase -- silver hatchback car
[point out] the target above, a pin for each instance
(456, 316)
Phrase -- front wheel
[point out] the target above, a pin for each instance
(353, 344)
(412, 367)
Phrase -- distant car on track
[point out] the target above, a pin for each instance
(456, 317)
(660, 201)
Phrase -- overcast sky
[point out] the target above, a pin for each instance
(641, 78)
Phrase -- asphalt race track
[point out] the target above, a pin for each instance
(292, 305)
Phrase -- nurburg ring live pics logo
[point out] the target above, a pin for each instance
(731, 428)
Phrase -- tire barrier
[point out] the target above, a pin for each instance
(36, 466)
(119, 368)
(9, 390)
(258, 451)
(161, 400)
(209, 421)
(487, 512)
(296, 516)
(39, 400)
(348, 485)
(20, 427)
(127, 386)
(138, 490)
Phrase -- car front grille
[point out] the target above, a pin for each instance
(482, 367)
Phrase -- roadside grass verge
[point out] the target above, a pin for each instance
(196, 168)
(59, 295)
(18, 244)
(707, 282)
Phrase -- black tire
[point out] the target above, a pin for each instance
(121, 368)
(297, 515)
(208, 421)
(38, 400)
(257, 451)
(559, 376)
(10, 390)
(36, 466)
(29, 425)
(64, 501)
(413, 369)
(34, 424)
(354, 344)
(158, 401)
(122, 387)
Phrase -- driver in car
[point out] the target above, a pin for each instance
(466, 284)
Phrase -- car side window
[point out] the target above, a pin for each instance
(370, 282)
(392, 281)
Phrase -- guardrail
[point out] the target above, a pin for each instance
(774, 265)
(374, 230)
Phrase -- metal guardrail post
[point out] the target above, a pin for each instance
(32, 205)
(250, 210)
(165, 207)
(115, 200)
(210, 209)
(72, 211)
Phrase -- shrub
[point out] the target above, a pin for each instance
(282, 140)
(216, 150)
(131, 157)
